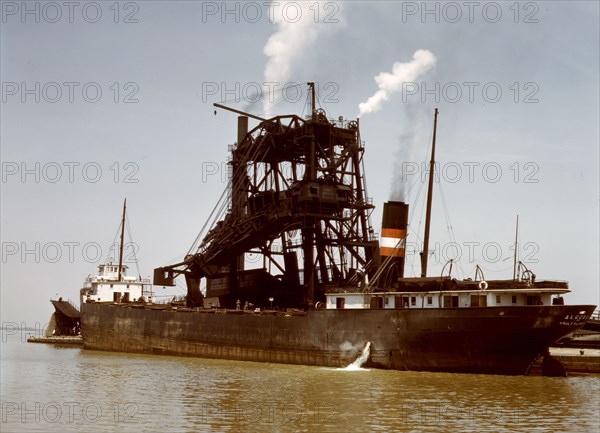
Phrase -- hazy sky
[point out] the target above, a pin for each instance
(105, 100)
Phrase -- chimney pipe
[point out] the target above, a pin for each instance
(242, 128)
(393, 238)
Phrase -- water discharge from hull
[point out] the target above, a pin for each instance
(362, 358)
(431, 340)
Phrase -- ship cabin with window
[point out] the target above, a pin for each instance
(445, 292)
(108, 286)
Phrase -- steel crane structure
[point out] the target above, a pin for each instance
(296, 198)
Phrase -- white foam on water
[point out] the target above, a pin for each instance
(358, 362)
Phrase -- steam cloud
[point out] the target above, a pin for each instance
(293, 40)
(423, 60)
(415, 136)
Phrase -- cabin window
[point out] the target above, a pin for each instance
(498, 299)
(413, 301)
(116, 296)
(314, 190)
(111, 286)
(125, 297)
(430, 300)
(514, 299)
(478, 301)
(376, 302)
(450, 301)
(339, 303)
(474, 300)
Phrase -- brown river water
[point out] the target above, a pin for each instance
(46, 388)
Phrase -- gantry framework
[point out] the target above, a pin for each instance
(297, 199)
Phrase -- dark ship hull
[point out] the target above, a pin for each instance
(496, 340)
(296, 200)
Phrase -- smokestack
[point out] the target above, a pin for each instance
(393, 239)
(238, 187)
(242, 128)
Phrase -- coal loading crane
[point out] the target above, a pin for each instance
(296, 200)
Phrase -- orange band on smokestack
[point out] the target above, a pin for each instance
(394, 252)
(393, 246)
(393, 233)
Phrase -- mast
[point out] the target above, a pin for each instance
(516, 250)
(122, 238)
(425, 252)
(309, 231)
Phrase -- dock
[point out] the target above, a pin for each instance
(63, 327)
(57, 339)
(578, 360)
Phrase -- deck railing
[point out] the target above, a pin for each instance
(66, 300)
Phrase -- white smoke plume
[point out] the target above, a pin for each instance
(416, 133)
(423, 60)
(298, 28)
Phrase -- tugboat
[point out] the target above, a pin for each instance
(292, 272)
(112, 282)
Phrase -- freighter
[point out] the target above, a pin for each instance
(292, 272)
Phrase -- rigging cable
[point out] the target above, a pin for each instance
(133, 245)
(112, 248)
(417, 232)
(450, 228)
